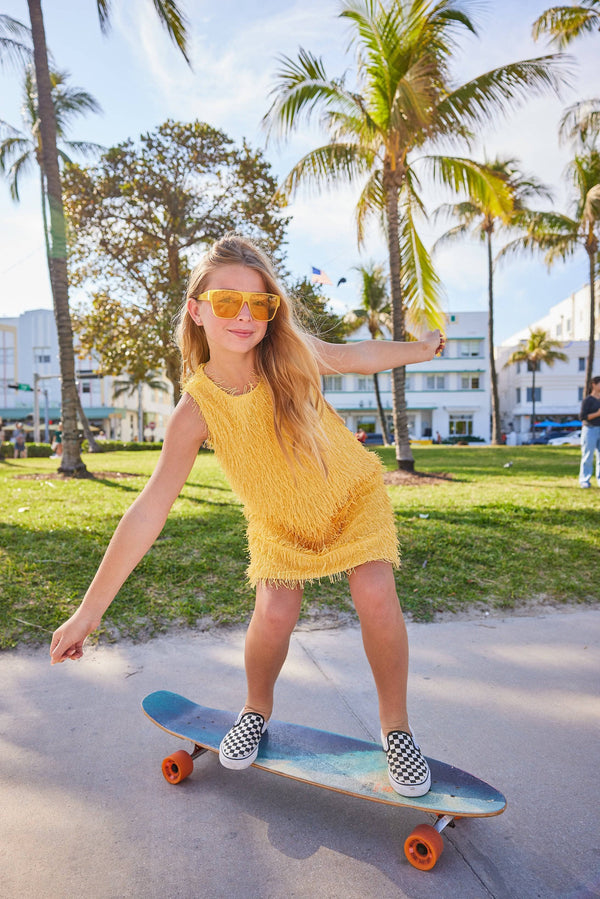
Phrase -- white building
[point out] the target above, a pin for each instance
(558, 389)
(449, 395)
(29, 346)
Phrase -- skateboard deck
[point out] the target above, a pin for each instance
(332, 761)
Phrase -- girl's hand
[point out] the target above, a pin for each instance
(68, 639)
(435, 342)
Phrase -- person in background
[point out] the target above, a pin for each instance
(590, 435)
(18, 441)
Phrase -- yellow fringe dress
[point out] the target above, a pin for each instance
(301, 526)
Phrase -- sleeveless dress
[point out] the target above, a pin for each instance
(301, 526)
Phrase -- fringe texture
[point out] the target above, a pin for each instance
(301, 525)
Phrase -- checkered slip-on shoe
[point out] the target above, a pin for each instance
(239, 746)
(408, 770)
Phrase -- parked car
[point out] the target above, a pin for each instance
(572, 439)
(553, 434)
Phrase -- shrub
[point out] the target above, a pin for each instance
(114, 446)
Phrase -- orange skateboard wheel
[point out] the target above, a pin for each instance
(423, 847)
(177, 766)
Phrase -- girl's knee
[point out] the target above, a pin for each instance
(277, 611)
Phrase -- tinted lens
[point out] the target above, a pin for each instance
(228, 303)
(263, 306)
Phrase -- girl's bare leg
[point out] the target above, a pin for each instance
(384, 637)
(267, 642)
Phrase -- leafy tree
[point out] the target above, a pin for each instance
(481, 220)
(539, 348)
(174, 22)
(402, 102)
(311, 309)
(559, 236)
(374, 312)
(137, 216)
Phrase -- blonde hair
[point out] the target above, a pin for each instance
(284, 360)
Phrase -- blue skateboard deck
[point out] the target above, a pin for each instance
(332, 761)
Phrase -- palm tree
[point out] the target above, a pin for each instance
(481, 220)
(374, 312)
(134, 383)
(402, 103)
(19, 150)
(539, 348)
(559, 236)
(563, 24)
(173, 20)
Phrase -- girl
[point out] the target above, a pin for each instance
(314, 498)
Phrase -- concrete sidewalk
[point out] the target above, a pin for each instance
(84, 808)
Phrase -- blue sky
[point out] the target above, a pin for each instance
(140, 80)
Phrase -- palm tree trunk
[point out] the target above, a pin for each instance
(384, 433)
(534, 366)
(71, 462)
(85, 427)
(404, 456)
(493, 373)
(589, 371)
(140, 413)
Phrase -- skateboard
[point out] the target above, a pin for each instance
(332, 761)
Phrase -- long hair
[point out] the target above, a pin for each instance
(284, 360)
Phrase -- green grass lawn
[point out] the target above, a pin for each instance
(496, 535)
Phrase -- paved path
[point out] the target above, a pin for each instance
(84, 809)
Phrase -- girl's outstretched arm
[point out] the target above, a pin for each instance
(366, 357)
(137, 530)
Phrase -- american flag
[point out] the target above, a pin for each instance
(320, 277)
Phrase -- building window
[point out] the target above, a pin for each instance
(86, 387)
(41, 358)
(367, 424)
(470, 382)
(332, 382)
(538, 395)
(461, 425)
(518, 368)
(436, 382)
(580, 394)
(365, 383)
(518, 395)
(409, 383)
(470, 348)
(581, 363)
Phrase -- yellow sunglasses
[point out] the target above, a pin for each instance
(228, 303)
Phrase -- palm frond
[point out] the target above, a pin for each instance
(325, 166)
(580, 122)
(84, 147)
(370, 203)
(421, 286)
(474, 179)
(563, 24)
(591, 209)
(482, 100)
(450, 237)
(15, 41)
(301, 86)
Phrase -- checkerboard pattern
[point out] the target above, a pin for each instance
(239, 746)
(408, 770)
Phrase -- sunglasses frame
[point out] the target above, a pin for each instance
(245, 297)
